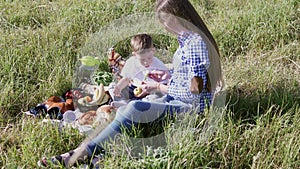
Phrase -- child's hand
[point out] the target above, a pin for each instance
(159, 75)
(120, 86)
(117, 91)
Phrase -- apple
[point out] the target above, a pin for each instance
(137, 91)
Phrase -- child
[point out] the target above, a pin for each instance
(141, 66)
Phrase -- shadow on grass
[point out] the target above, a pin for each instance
(248, 104)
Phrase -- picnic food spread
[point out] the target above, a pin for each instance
(87, 105)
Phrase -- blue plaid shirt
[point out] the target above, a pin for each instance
(190, 59)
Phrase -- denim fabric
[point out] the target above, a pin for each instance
(131, 115)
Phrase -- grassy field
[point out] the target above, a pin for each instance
(41, 41)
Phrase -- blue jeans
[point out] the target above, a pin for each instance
(131, 115)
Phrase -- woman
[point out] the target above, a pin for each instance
(197, 75)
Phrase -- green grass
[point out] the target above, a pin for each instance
(41, 41)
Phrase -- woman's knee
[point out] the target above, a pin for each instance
(139, 105)
(133, 109)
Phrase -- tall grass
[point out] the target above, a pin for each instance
(40, 42)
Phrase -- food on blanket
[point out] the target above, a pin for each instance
(115, 62)
(87, 118)
(106, 112)
(102, 77)
(88, 99)
(98, 93)
(56, 101)
(74, 93)
(102, 114)
(113, 57)
(106, 108)
(100, 97)
(90, 61)
(121, 64)
(54, 107)
(137, 91)
(105, 99)
(111, 54)
(85, 100)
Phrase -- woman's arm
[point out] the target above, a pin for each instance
(162, 88)
(199, 62)
(151, 86)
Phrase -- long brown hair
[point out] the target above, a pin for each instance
(188, 17)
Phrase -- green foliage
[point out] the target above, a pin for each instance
(22, 143)
(41, 42)
(102, 77)
(256, 26)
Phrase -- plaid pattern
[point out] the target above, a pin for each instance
(190, 59)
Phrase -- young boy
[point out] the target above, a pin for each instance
(141, 66)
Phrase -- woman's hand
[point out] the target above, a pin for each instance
(147, 87)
